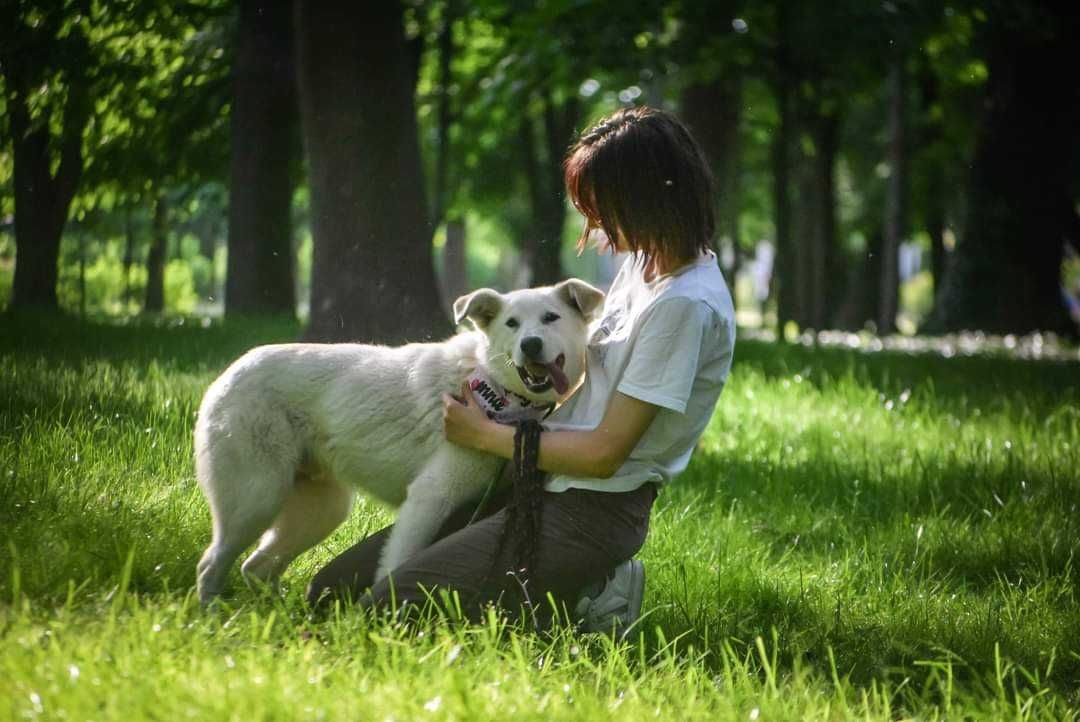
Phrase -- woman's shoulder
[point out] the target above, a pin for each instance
(702, 286)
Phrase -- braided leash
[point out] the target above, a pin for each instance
(521, 528)
(523, 517)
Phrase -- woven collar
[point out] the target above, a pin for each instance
(504, 405)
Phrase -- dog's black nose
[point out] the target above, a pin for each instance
(531, 346)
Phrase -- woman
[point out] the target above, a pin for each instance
(658, 359)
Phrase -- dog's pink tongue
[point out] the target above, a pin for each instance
(558, 378)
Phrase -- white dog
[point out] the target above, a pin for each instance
(288, 433)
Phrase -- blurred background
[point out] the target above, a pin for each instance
(893, 168)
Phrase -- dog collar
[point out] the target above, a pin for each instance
(503, 405)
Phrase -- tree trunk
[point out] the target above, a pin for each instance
(862, 291)
(782, 283)
(935, 228)
(455, 276)
(155, 257)
(542, 247)
(259, 273)
(829, 261)
(442, 159)
(1005, 273)
(806, 230)
(372, 278)
(895, 201)
(935, 204)
(42, 198)
(713, 111)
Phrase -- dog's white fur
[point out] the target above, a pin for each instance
(288, 432)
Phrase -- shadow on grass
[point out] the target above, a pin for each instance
(183, 343)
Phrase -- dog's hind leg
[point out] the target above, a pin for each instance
(246, 485)
(313, 509)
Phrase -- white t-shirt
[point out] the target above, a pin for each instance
(668, 342)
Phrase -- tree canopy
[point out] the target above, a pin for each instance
(873, 161)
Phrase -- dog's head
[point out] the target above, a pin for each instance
(536, 337)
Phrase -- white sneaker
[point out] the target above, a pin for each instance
(616, 605)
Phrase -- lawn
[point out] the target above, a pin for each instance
(860, 535)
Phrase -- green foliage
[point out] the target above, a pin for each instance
(180, 296)
(104, 289)
(871, 536)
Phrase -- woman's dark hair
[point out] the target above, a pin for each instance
(638, 174)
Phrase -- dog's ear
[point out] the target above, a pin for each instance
(481, 307)
(580, 295)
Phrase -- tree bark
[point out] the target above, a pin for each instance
(544, 176)
(828, 285)
(1005, 273)
(815, 251)
(42, 197)
(782, 283)
(155, 258)
(895, 200)
(455, 276)
(935, 228)
(442, 159)
(713, 111)
(805, 235)
(862, 291)
(934, 202)
(259, 274)
(373, 278)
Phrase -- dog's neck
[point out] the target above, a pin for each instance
(501, 404)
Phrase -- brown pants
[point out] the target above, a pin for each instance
(583, 536)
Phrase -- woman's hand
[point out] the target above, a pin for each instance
(464, 422)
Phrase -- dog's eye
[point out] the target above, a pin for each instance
(549, 317)
(512, 322)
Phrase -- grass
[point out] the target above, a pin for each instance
(870, 536)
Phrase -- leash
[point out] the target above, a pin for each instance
(523, 517)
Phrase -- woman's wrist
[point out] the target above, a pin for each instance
(495, 438)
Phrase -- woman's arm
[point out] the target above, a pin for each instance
(595, 454)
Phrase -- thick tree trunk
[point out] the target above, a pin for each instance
(781, 286)
(862, 291)
(1005, 273)
(442, 159)
(372, 278)
(806, 229)
(42, 197)
(155, 257)
(895, 201)
(544, 175)
(935, 228)
(259, 275)
(783, 282)
(713, 111)
(828, 260)
(814, 252)
(455, 275)
(936, 193)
